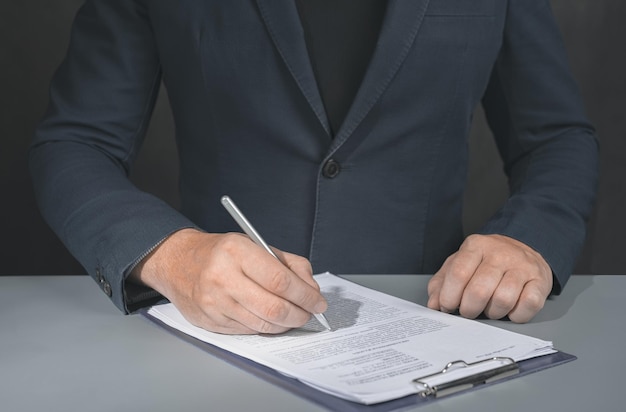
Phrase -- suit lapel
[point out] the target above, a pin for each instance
(400, 26)
(283, 23)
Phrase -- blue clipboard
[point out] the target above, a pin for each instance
(337, 404)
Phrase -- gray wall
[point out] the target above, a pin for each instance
(33, 39)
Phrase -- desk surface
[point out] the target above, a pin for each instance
(65, 347)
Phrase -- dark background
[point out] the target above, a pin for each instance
(33, 40)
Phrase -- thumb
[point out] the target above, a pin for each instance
(434, 287)
(298, 265)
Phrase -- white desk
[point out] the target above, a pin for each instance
(65, 347)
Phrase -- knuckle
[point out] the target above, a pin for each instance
(478, 293)
(303, 266)
(448, 302)
(456, 268)
(458, 271)
(502, 300)
(265, 327)
(200, 296)
(229, 242)
(279, 282)
(276, 311)
(205, 300)
(473, 241)
(499, 261)
(301, 262)
(534, 301)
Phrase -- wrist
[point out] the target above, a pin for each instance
(155, 267)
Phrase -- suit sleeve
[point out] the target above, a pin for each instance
(101, 99)
(548, 146)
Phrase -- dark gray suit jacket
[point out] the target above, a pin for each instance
(384, 196)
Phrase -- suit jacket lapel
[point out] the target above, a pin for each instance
(400, 26)
(283, 23)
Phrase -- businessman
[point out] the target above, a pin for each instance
(340, 128)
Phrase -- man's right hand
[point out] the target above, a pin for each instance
(226, 283)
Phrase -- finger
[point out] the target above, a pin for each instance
(279, 280)
(234, 297)
(506, 295)
(434, 287)
(245, 324)
(458, 273)
(253, 305)
(215, 321)
(246, 307)
(298, 265)
(250, 323)
(479, 290)
(271, 309)
(225, 325)
(531, 301)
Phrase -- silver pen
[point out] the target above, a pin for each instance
(247, 227)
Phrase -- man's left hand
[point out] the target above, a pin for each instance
(492, 274)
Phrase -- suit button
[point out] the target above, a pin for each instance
(106, 288)
(99, 277)
(331, 169)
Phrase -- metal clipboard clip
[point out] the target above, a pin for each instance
(459, 375)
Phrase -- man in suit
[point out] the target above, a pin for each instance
(340, 128)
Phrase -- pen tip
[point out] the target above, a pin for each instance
(322, 319)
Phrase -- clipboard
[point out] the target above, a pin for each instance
(429, 388)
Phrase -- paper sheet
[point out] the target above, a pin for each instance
(378, 345)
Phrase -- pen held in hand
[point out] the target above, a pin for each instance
(247, 227)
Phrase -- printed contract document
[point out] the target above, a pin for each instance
(378, 346)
